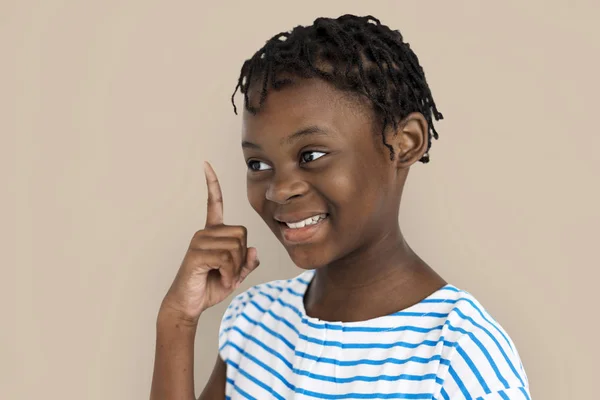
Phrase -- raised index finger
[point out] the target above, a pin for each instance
(214, 212)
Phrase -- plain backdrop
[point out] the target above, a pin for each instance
(109, 108)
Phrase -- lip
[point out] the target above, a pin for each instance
(301, 235)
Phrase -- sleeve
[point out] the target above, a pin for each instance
(228, 321)
(484, 367)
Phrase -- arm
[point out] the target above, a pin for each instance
(174, 363)
(174, 359)
(215, 387)
(216, 263)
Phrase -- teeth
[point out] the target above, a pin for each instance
(307, 221)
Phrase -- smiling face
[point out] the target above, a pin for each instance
(318, 173)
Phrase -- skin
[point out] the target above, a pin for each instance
(364, 267)
(217, 261)
(311, 149)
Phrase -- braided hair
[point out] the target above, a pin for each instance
(356, 54)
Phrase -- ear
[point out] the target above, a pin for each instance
(410, 140)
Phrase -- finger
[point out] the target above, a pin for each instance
(252, 262)
(228, 276)
(214, 212)
(238, 232)
(221, 260)
(231, 244)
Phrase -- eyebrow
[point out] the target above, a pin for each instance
(294, 137)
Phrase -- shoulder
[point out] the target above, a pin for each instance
(482, 358)
(249, 306)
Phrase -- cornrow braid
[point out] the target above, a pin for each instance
(356, 54)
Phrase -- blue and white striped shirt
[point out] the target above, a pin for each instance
(445, 347)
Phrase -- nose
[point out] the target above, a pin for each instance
(286, 186)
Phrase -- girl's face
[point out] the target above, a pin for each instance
(318, 174)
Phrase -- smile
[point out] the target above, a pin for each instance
(305, 230)
(306, 222)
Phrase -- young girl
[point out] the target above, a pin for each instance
(335, 115)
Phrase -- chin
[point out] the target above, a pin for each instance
(306, 258)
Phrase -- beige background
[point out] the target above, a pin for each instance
(108, 108)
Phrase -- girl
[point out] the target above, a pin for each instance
(335, 114)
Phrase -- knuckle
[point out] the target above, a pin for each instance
(215, 199)
(240, 231)
(225, 256)
(199, 234)
(239, 246)
(197, 240)
(233, 241)
(234, 244)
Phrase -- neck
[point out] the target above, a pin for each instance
(382, 277)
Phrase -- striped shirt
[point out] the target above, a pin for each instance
(444, 347)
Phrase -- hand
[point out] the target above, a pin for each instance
(216, 263)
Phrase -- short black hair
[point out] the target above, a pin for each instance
(355, 54)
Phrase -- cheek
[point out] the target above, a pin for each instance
(256, 196)
(353, 191)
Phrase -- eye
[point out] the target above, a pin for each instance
(309, 156)
(254, 165)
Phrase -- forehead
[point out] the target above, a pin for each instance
(307, 102)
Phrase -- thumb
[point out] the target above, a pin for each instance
(252, 262)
